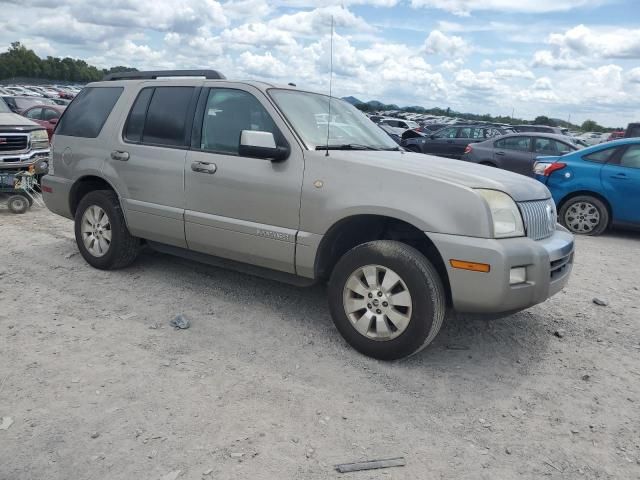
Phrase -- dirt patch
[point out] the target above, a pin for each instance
(97, 385)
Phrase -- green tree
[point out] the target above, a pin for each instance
(19, 61)
(591, 126)
(543, 120)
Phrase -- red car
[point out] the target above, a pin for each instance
(615, 135)
(45, 115)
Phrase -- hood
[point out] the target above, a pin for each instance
(15, 120)
(456, 172)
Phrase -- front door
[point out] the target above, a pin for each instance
(442, 142)
(620, 179)
(241, 208)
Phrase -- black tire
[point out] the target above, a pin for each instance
(124, 248)
(18, 204)
(582, 201)
(423, 282)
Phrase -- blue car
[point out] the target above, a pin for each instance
(596, 187)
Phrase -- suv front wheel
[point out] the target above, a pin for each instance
(101, 232)
(386, 299)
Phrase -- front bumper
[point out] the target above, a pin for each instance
(548, 265)
(22, 161)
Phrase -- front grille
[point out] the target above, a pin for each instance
(13, 143)
(558, 267)
(539, 218)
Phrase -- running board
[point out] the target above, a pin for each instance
(227, 264)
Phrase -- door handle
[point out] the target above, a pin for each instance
(500, 153)
(119, 155)
(620, 176)
(204, 167)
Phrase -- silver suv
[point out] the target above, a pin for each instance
(301, 187)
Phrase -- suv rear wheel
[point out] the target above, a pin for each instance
(386, 299)
(101, 232)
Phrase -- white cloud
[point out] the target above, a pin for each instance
(263, 65)
(465, 7)
(319, 20)
(618, 43)
(513, 73)
(437, 43)
(557, 61)
(543, 83)
(634, 75)
(256, 34)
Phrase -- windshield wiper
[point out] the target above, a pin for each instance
(346, 146)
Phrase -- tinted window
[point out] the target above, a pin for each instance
(522, 144)
(479, 133)
(563, 147)
(447, 133)
(601, 156)
(226, 114)
(631, 158)
(34, 114)
(167, 116)
(49, 113)
(465, 132)
(4, 108)
(85, 116)
(633, 130)
(135, 122)
(545, 146)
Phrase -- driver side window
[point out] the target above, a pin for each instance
(226, 114)
(34, 114)
(447, 133)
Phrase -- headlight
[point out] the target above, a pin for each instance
(39, 139)
(507, 220)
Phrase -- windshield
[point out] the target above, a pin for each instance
(3, 107)
(308, 113)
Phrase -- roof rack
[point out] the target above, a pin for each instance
(152, 75)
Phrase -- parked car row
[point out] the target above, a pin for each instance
(67, 92)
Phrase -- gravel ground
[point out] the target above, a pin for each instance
(98, 386)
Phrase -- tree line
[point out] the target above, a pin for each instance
(20, 61)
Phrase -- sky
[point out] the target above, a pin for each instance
(577, 59)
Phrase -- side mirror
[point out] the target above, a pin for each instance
(261, 145)
(53, 121)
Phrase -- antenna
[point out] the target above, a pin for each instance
(330, 87)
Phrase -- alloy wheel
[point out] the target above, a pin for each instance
(96, 231)
(377, 302)
(582, 217)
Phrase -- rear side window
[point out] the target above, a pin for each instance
(159, 116)
(631, 158)
(135, 122)
(521, 144)
(88, 112)
(601, 156)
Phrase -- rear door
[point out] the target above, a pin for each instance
(463, 138)
(620, 179)
(146, 161)
(514, 154)
(240, 208)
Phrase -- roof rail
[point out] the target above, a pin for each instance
(152, 75)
